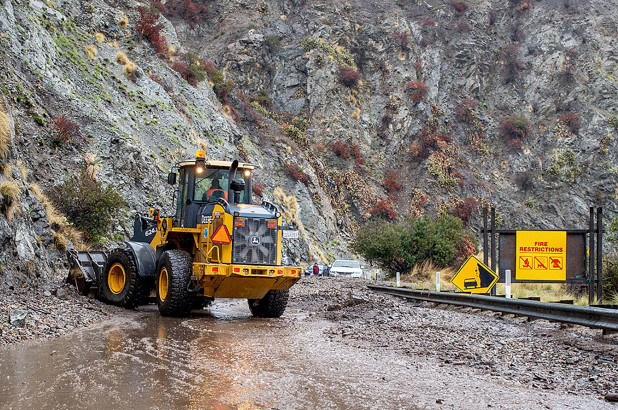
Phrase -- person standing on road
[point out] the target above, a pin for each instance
(316, 268)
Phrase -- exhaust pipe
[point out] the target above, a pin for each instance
(230, 178)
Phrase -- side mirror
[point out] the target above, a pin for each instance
(171, 178)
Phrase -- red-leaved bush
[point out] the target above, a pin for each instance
(465, 209)
(390, 181)
(147, 25)
(191, 11)
(348, 76)
(66, 131)
(465, 111)
(258, 188)
(514, 130)
(295, 172)
(460, 6)
(383, 209)
(417, 90)
(341, 149)
(571, 120)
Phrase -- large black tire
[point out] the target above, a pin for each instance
(273, 304)
(119, 284)
(173, 277)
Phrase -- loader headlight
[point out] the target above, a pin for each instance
(277, 214)
(247, 173)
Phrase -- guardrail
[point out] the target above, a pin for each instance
(593, 317)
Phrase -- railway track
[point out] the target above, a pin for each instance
(592, 317)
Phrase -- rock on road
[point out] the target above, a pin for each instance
(337, 346)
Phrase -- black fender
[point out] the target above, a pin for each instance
(145, 257)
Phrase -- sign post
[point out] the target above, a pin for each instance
(474, 277)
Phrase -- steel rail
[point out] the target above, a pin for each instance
(593, 317)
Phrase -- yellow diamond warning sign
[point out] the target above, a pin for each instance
(474, 277)
(541, 255)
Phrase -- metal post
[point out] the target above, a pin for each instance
(437, 281)
(507, 283)
(591, 258)
(600, 255)
(485, 247)
(493, 245)
(397, 279)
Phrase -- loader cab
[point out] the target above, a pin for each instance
(202, 184)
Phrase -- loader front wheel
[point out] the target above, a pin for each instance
(273, 304)
(173, 277)
(119, 284)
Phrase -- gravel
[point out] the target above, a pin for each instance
(538, 354)
(28, 313)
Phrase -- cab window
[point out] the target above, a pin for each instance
(211, 185)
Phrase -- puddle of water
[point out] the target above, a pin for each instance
(217, 358)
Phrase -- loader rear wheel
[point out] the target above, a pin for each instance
(119, 284)
(273, 304)
(173, 277)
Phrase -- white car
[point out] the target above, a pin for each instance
(346, 268)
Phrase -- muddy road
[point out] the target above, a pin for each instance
(337, 346)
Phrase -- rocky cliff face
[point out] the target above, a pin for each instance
(432, 106)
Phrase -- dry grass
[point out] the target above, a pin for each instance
(10, 190)
(548, 292)
(123, 21)
(423, 276)
(130, 69)
(92, 164)
(23, 170)
(7, 171)
(91, 51)
(99, 37)
(12, 211)
(121, 58)
(63, 230)
(5, 133)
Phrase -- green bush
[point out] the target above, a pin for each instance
(90, 206)
(397, 247)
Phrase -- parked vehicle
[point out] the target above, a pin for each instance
(348, 268)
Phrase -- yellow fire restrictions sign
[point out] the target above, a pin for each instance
(541, 255)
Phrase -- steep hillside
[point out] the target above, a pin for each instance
(428, 106)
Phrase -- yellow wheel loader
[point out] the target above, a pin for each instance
(217, 245)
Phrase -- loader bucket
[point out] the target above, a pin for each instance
(85, 268)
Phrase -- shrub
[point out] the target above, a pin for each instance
(465, 209)
(273, 43)
(258, 188)
(613, 121)
(384, 210)
(191, 68)
(571, 120)
(341, 149)
(402, 39)
(465, 111)
(515, 129)
(429, 138)
(397, 247)
(262, 98)
(92, 207)
(390, 181)
(91, 51)
(464, 27)
(417, 90)
(348, 76)
(358, 157)
(459, 6)
(123, 21)
(296, 172)
(147, 25)
(191, 11)
(5, 133)
(99, 37)
(66, 131)
(512, 64)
